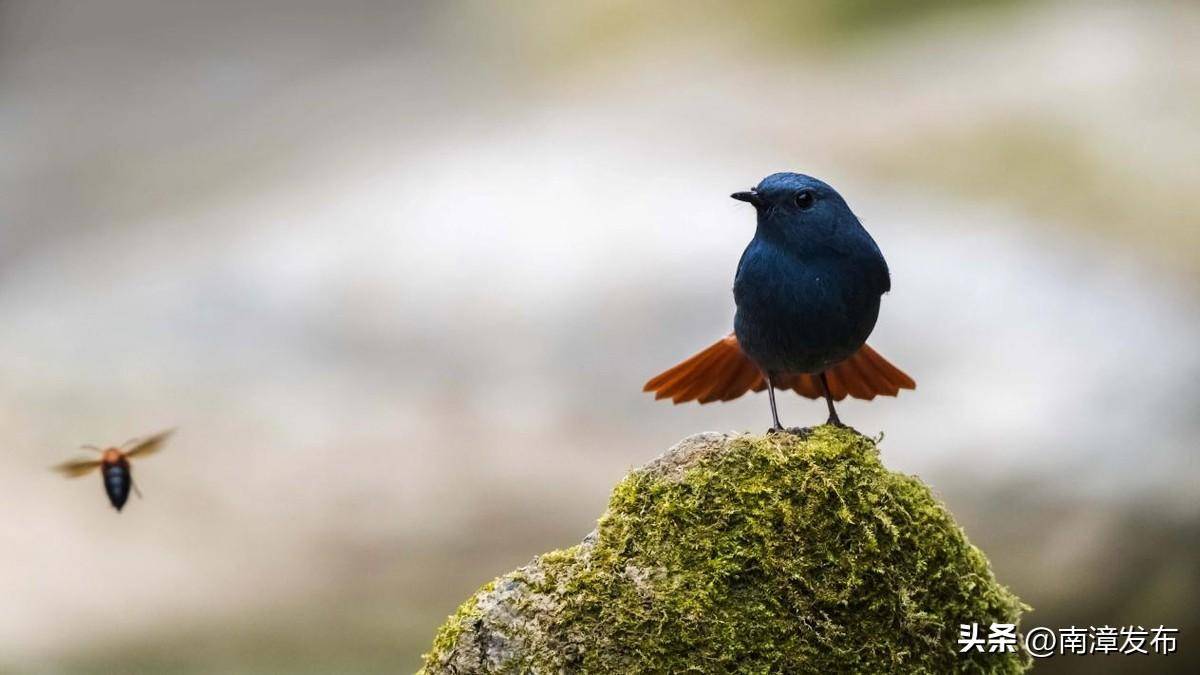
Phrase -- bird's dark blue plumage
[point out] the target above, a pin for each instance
(808, 285)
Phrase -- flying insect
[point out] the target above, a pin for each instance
(114, 465)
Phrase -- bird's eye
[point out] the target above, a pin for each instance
(805, 199)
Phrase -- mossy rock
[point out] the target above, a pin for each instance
(745, 554)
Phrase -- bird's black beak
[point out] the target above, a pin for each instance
(750, 197)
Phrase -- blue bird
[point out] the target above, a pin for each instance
(807, 291)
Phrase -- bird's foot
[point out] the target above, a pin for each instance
(802, 432)
(837, 424)
(833, 421)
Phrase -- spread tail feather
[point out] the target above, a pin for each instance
(720, 373)
(723, 372)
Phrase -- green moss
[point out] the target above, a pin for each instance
(466, 615)
(745, 554)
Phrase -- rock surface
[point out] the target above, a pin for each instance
(746, 554)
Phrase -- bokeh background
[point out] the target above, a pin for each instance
(398, 271)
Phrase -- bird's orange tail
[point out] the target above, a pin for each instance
(723, 372)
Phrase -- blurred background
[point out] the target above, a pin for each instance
(398, 271)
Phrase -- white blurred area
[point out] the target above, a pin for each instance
(398, 272)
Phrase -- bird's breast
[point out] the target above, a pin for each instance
(801, 315)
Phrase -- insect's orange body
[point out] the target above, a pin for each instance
(112, 456)
(114, 467)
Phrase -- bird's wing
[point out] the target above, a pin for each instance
(723, 372)
(150, 445)
(77, 467)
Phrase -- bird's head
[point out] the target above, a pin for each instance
(803, 213)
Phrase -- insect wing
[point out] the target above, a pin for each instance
(77, 467)
(150, 445)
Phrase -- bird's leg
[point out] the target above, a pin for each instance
(774, 412)
(833, 416)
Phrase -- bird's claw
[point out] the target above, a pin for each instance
(802, 432)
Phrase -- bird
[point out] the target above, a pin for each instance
(114, 465)
(807, 290)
